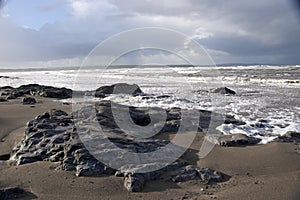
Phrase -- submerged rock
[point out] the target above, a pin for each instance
(237, 140)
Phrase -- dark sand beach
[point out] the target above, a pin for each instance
(270, 171)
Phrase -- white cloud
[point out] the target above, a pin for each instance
(86, 8)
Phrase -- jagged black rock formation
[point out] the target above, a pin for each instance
(179, 171)
(53, 137)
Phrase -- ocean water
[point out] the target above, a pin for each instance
(267, 99)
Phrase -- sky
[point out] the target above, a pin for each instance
(63, 32)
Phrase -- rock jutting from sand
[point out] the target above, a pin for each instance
(28, 100)
(52, 137)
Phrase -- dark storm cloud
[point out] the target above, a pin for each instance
(297, 4)
(267, 29)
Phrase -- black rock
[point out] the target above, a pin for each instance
(28, 100)
(36, 90)
(163, 96)
(12, 193)
(224, 90)
(11, 96)
(53, 137)
(134, 182)
(89, 169)
(290, 136)
(210, 175)
(44, 138)
(119, 88)
(6, 88)
(4, 157)
(3, 99)
(47, 91)
(237, 140)
(190, 172)
(185, 174)
(28, 158)
(231, 120)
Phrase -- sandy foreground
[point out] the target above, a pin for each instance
(269, 171)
